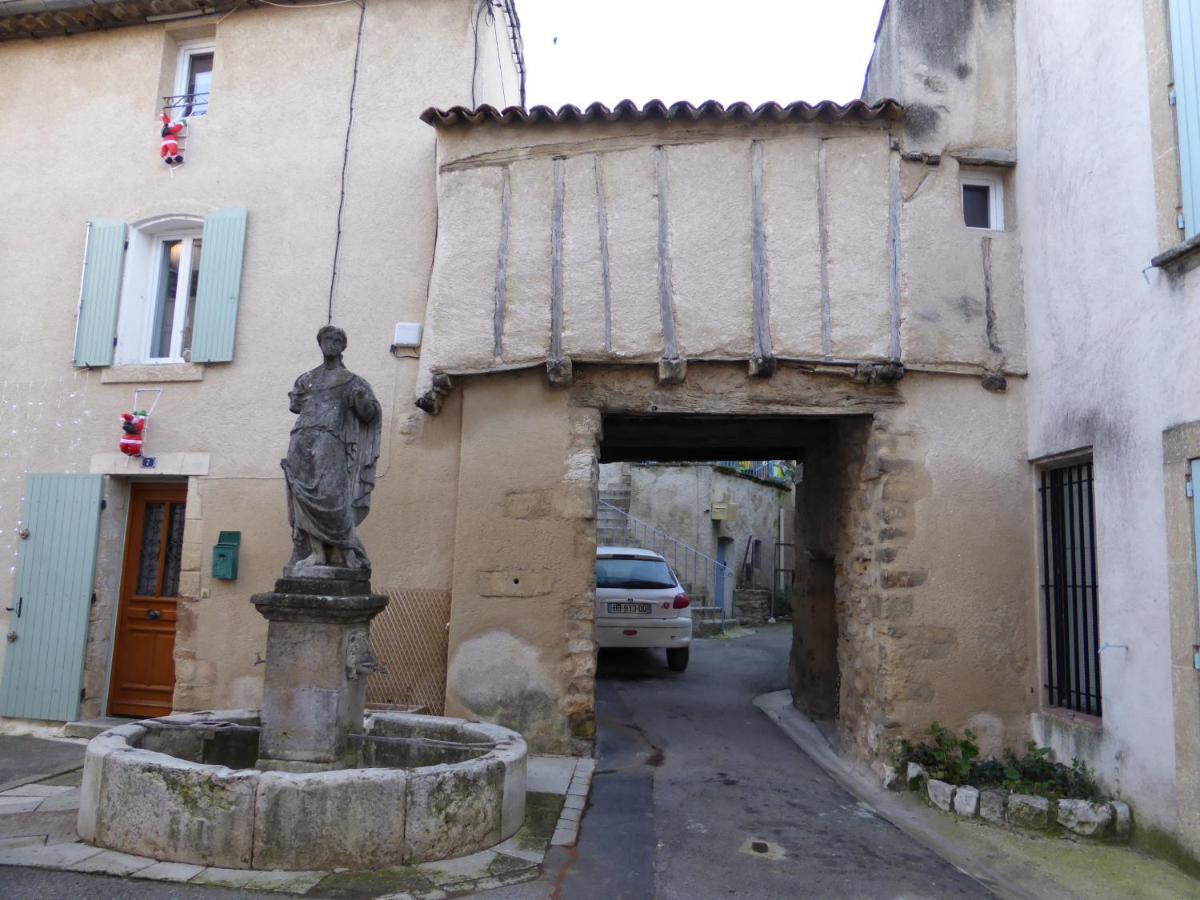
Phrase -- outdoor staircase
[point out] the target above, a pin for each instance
(699, 574)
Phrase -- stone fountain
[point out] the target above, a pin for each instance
(310, 782)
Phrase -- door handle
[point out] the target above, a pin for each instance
(20, 603)
(153, 614)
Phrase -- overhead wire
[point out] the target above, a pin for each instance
(337, 243)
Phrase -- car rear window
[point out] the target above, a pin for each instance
(631, 572)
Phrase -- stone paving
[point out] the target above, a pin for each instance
(37, 829)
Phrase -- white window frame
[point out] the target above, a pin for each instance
(995, 186)
(139, 290)
(188, 49)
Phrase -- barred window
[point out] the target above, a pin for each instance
(1069, 589)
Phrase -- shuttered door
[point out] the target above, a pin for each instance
(219, 286)
(1185, 52)
(43, 666)
(100, 293)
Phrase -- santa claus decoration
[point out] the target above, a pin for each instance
(169, 150)
(132, 426)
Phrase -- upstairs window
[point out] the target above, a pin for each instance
(983, 202)
(162, 291)
(193, 79)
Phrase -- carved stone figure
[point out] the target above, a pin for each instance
(330, 466)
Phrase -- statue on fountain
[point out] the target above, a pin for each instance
(330, 465)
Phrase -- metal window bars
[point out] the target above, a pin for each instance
(1070, 593)
(187, 104)
(702, 576)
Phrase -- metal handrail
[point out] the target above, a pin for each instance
(693, 567)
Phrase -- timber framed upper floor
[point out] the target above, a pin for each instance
(662, 235)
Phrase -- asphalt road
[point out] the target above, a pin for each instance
(698, 795)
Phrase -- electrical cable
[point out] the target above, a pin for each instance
(337, 243)
(483, 4)
(499, 61)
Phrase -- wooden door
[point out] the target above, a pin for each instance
(143, 669)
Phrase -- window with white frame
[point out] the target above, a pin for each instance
(983, 201)
(158, 296)
(162, 290)
(193, 78)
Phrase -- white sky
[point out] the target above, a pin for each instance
(752, 50)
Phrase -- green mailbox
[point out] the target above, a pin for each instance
(225, 555)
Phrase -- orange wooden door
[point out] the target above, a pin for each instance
(143, 669)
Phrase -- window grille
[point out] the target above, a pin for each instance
(1069, 589)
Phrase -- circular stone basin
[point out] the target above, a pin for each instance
(183, 788)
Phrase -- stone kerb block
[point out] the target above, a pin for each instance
(322, 820)
(1122, 821)
(940, 794)
(1085, 818)
(165, 808)
(1029, 812)
(966, 801)
(915, 775)
(991, 805)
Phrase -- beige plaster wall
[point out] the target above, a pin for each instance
(865, 259)
(932, 602)
(521, 650)
(78, 128)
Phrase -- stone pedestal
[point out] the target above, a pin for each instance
(318, 660)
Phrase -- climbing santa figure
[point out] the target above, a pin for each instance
(171, 132)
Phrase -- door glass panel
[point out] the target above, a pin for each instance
(174, 552)
(152, 528)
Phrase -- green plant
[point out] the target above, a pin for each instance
(948, 757)
(1037, 772)
(945, 756)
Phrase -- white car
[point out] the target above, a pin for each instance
(640, 603)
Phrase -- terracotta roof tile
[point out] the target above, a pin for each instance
(628, 111)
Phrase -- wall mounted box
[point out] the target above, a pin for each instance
(225, 555)
(723, 511)
(408, 334)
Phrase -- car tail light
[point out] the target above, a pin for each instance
(629, 632)
(682, 601)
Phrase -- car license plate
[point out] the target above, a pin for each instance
(629, 608)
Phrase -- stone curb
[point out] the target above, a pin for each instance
(777, 706)
(566, 833)
(1107, 820)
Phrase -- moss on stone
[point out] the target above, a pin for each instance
(1156, 842)
(375, 883)
(541, 816)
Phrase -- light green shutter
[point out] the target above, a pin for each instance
(1185, 52)
(219, 286)
(100, 294)
(43, 666)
